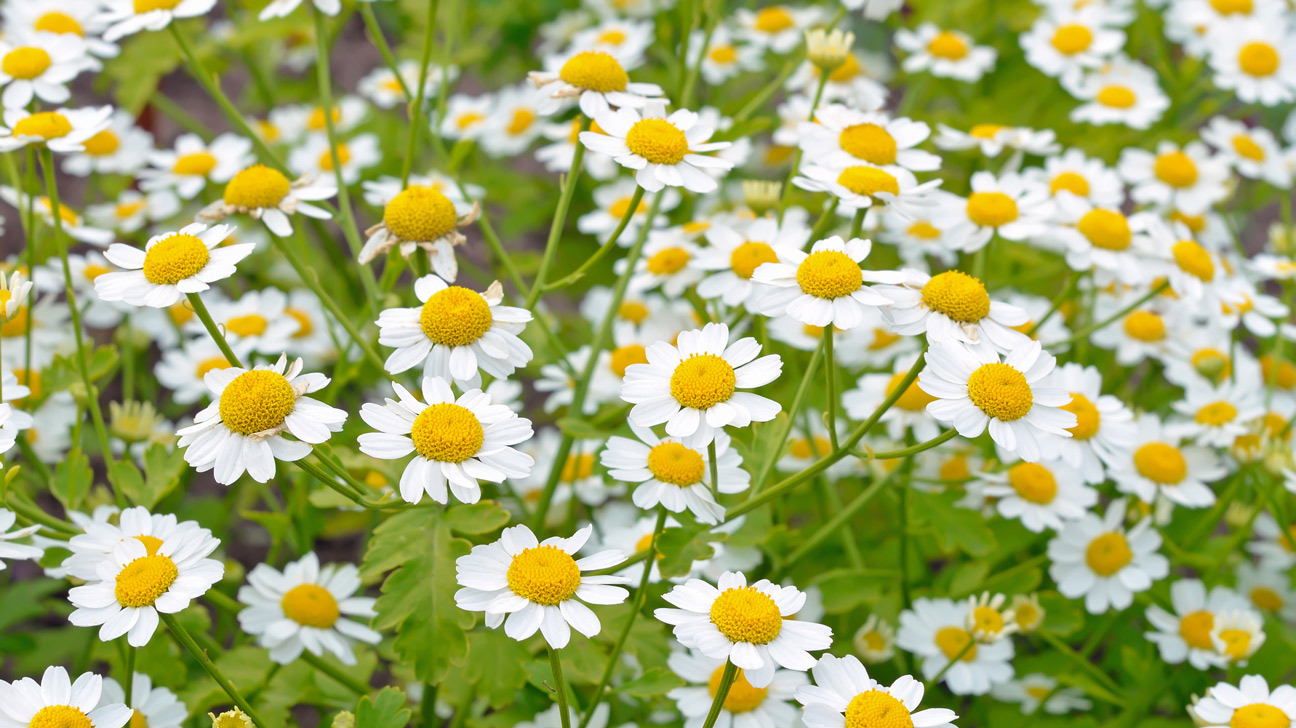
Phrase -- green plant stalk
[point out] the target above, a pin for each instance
(186, 641)
(1081, 662)
(35, 514)
(560, 685)
(937, 677)
(311, 279)
(691, 78)
(560, 217)
(722, 692)
(200, 310)
(1083, 334)
(380, 42)
(128, 679)
(1073, 280)
(715, 470)
(830, 383)
(416, 113)
(937, 441)
(825, 221)
(777, 448)
(786, 193)
(840, 519)
(603, 249)
(331, 671)
(857, 223)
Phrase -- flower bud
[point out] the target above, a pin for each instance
(828, 50)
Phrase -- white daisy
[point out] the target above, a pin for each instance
(945, 53)
(267, 195)
(127, 17)
(1061, 44)
(597, 78)
(62, 17)
(1251, 703)
(921, 233)
(663, 150)
(1104, 425)
(258, 320)
(1159, 463)
(992, 139)
(1080, 175)
(935, 630)
(724, 57)
(736, 251)
(514, 123)
(778, 28)
(1187, 178)
(1009, 206)
(39, 65)
(874, 641)
(155, 707)
(840, 137)
(170, 266)
(101, 538)
(1185, 633)
(951, 307)
(1099, 559)
(1253, 151)
(9, 550)
(421, 217)
(1104, 240)
(191, 163)
(844, 695)
(60, 130)
(1273, 546)
(819, 288)
(1041, 495)
(744, 704)
(612, 202)
(674, 475)
(860, 186)
(314, 158)
(57, 701)
(1268, 589)
(1254, 59)
(1218, 414)
(1037, 689)
(1121, 91)
(664, 264)
(908, 414)
(466, 116)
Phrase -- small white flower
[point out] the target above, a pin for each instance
(1041, 495)
(664, 151)
(1062, 44)
(1121, 91)
(1251, 702)
(744, 704)
(945, 53)
(840, 137)
(39, 65)
(951, 307)
(1104, 425)
(1255, 60)
(1185, 633)
(101, 537)
(60, 130)
(844, 693)
(819, 288)
(1159, 463)
(127, 17)
(1009, 206)
(596, 77)
(158, 706)
(1102, 561)
(935, 630)
(1037, 689)
(56, 700)
(267, 195)
(1187, 178)
(170, 266)
(674, 475)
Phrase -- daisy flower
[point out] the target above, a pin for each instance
(944, 53)
(664, 264)
(1193, 270)
(1061, 44)
(1254, 152)
(133, 210)
(10, 550)
(514, 123)
(57, 701)
(267, 195)
(819, 288)
(306, 607)
(192, 163)
(1218, 414)
(281, 8)
(564, 137)
(139, 579)
(39, 65)
(62, 17)
(597, 78)
(243, 428)
(127, 17)
(1104, 425)
(1187, 178)
(935, 630)
(1186, 632)
(921, 233)
(663, 150)
(538, 585)
(908, 414)
(456, 334)
(1104, 239)
(604, 385)
(1035, 690)
(65, 131)
(465, 117)
(1121, 91)
(622, 38)
(951, 307)
(992, 139)
(170, 266)
(1041, 495)
(1237, 635)
(723, 58)
(456, 441)
(874, 641)
(1254, 59)
(1268, 589)
(1009, 206)
(1251, 703)
(860, 186)
(845, 695)
(385, 90)
(778, 28)
(258, 320)
(315, 157)
(154, 707)
(612, 202)
(744, 704)
(1137, 335)
(735, 252)
(840, 136)
(692, 386)
(810, 443)
(751, 626)
(674, 475)
(1099, 559)
(1242, 303)
(1081, 176)
(1159, 463)
(101, 538)
(421, 217)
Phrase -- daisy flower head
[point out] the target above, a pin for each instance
(62, 17)
(8, 549)
(1250, 703)
(1104, 239)
(1074, 172)
(845, 695)
(140, 579)
(862, 185)
(664, 151)
(1009, 206)
(267, 195)
(258, 320)
(1039, 690)
(992, 139)
(1099, 559)
(920, 234)
(744, 704)
(778, 28)
(192, 163)
(1194, 271)
(735, 251)
(1121, 91)
(820, 288)
(1040, 495)
(605, 382)
(724, 57)
(39, 65)
(132, 210)
(316, 158)
(936, 631)
(456, 333)
(65, 131)
(515, 121)
(693, 385)
(1142, 333)
(1185, 632)
(1238, 635)
(840, 136)
(170, 266)
(951, 307)
(127, 17)
(854, 83)
(101, 537)
(1267, 589)
(538, 585)
(243, 428)
(466, 117)
(455, 441)
(1158, 462)
(623, 38)
(1062, 44)
(1255, 60)
(612, 203)
(1243, 304)
(874, 641)
(944, 53)
(1187, 178)
(1253, 151)
(421, 217)
(57, 701)
(306, 607)
(674, 475)
(1104, 425)
(1216, 415)
(156, 707)
(596, 78)
(666, 264)
(754, 627)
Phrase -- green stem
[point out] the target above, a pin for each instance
(715, 470)
(186, 640)
(200, 310)
(722, 692)
(128, 679)
(333, 673)
(857, 223)
(1081, 662)
(825, 221)
(311, 279)
(937, 441)
(840, 519)
(1083, 334)
(560, 218)
(416, 114)
(560, 685)
(776, 447)
(786, 192)
(968, 646)
(1073, 280)
(830, 382)
(380, 42)
(635, 200)
(33, 513)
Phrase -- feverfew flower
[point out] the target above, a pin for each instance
(1009, 206)
(950, 307)
(1040, 495)
(60, 130)
(1122, 91)
(744, 704)
(819, 288)
(1255, 60)
(935, 630)
(39, 65)
(1186, 178)
(674, 475)
(844, 694)
(1250, 703)
(1159, 463)
(192, 163)
(664, 150)
(1185, 633)
(597, 77)
(267, 195)
(170, 266)
(57, 701)
(945, 53)
(127, 17)
(1099, 559)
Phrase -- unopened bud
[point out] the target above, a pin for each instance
(1282, 239)
(133, 421)
(345, 719)
(828, 49)
(1212, 366)
(761, 195)
(234, 718)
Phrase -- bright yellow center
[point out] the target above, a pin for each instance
(145, 579)
(577, 467)
(947, 45)
(624, 356)
(92, 271)
(198, 164)
(746, 615)
(1193, 259)
(914, 398)
(1026, 615)
(1283, 377)
(138, 720)
(1145, 326)
(420, 214)
(850, 68)
(742, 697)
(469, 119)
(310, 605)
(447, 433)
(986, 131)
(343, 157)
(252, 324)
(956, 468)
(144, 6)
(125, 210)
(658, 141)
(749, 256)
(1071, 39)
(60, 716)
(803, 448)
(1117, 96)
(1246, 147)
(953, 641)
(991, 209)
(619, 208)
(60, 23)
(102, 144)
(26, 62)
(179, 313)
(257, 401)
(877, 709)
(869, 142)
(702, 381)
(520, 121)
(923, 231)
(1033, 482)
(1259, 715)
(1072, 182)
(671, 462)
(1161, 463)
(1237, 643)
(773, 20)
(304, 325)
(829, 274)
(1232, 7)
(958, 296)
(1176, 169)
(317, 121)
(873, 641)
(868, 181)
(17, 324)
(1087, 416)
(455, 316)
(46, 125)
(1216, 414)
(1000, 391)
(1106, 229)
(1108, 553)
(1258, 59)
(987, 620)
(636, 312)
(1266, 598)
(175, 258)
(723, 54)
(151, 543)
(216, 362)
(1195, 629)
(668, 261)
(595, 70)
(257, 186)
(545, 575)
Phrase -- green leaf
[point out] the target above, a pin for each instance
(655, 681)
(385, 710)
(582, 430)
(496, 665)
(477, 519)
(680, 547)
(1062, 616)
(126, 478)
(954, 527)
(72, 479)
(163, 468)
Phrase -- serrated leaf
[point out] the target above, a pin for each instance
(954, 527)
(477, 519)
(163, 467)
(655, 681)
(384, 710)
(680, 547)
(496, 665)
(72, 479)
(127, 479)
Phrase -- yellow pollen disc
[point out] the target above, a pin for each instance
(1265, 598)
(749, 256)
(1195, 629)
(60, 716)
(953, 640)
(877, 709)
(1071, 39)
(217, 362)
(803, 448)
(253, 324)
(658, 141)
(829, 274)
(914, 398)
(1232, 7)
(991, 209)
(545, 575)
(151, 543)
(17, 326)
(873, 641)
(1145, 326)
(671, 462)
(1216, 414)
(746, 615)
(958, 296)
(60, 23)
(124, 210)
(850, 68)
(742, 697)
(175, 258)
(986, 131)
(257, 186)
(947, 45)
(1258, 59)
(635, 312)
(198, 164)
(668, 261)
(624, 356)
(869, 142)
(469, 119)
(420, 214)
(1039, 692)
(32, 380)
(1000, 391)
(923, 231)
(455, 316)
(773, 20)
(1106, 229)
(1161, 463)
(145, 579)
(612, 37)
(138, 720)
(447, 433)
(257, 401)
(1071, 182)
(619, 208)
(1193, 259)
(304, 325)
(310, 605)
(723, 54)
(577, 467)
(520, 121)
(1108, 553)
(1246, 147)
(343, 155)
(702, 381)
(987, 620)
(1283, 377)
(1117, 97)
(1026, 615)
(26, 62)
(144, 6)
(46, 125)
(868, 181)
(102, 144)
(1237, 643)
(1087, 416)
(1033, 482)
(92, 271)
(317, 122)
(956, 468)
(595, 70)
(1176, 169)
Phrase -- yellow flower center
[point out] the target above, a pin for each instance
(986, 131)
(257, 186)
(1117, 97)
(668, 261)
(956, 468)
(1145, 326)
(216, 362)
(1259, 715)
(577, 467)
(138, 720)
(1265, 598)
(914, 398)
(175, 258)
(1026, 616)
(749, 256)
(595, 70)
(253, 324)
(868, 181)
(947, 45)
(1108, 553)
(1072, 182)
(1195, 629)
(636, 312)
(520, 121)
(1246, 147)
(102, 144)
(1106, 229)
(144, 6)
(1071, 39)
(1176, 169)
(1232, 7)
(958, 296)
(455, 316)
(343, 157)
(773, 20)
(60, 23)
(447, 433)
(850, 68)
(953, 641)
(17, 325)
(179, 313)
(1237, 643)
(702, 381)
(305, 327)
(658, 141)
(1000, 391)
(545, 575)
(26, 62)
(987, 620)
(257, 401)
(145, 579)
(624, 356)
(60, 716)
(829, 274)
(742, 697)
(124, 210)
(923, 231)
(1161, 463)
(869, 142)
(1258, 59)
(877, 709)
(468, 120)
(746, 615)
(873, 641)
(1283, 376)
(723, 54)
(92, 271)
(1087, 416)
(1193, 259)
(310, 605)
(671, 462)
(1216, 414)
(991, 209)
(619, 208)
(1033, 482)
(198, 164)
(420, 214)
(803, 448)
(46, 125)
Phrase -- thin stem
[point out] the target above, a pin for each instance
(1073, 280)
(722, 692)
(186, 640)
(825, 220)
(200, 309)
(839, 520)
(380, 42)
(333, 673)
(1082, 662)
(776, 448)
(796, 157)
(1083, 334)
(420, 93)
(715, 470)
(830, 381)
(635, 201)
(857, 223)
(966, 647)
(311, 279)
(937, 441)
(128, 682)
(33, 513)
(560, 217)
(560, 685)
